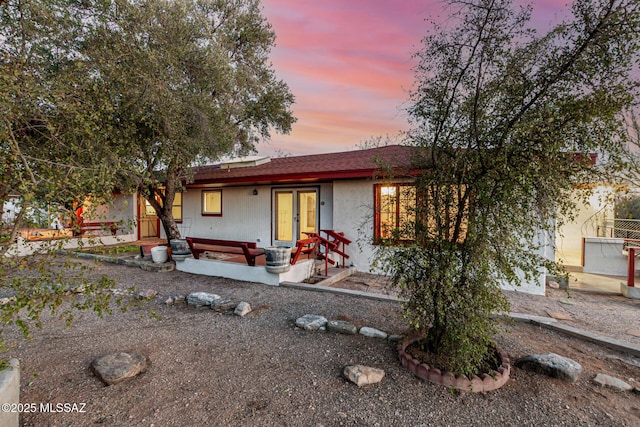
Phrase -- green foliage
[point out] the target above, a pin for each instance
(54, 153)
(188, 82)
(628, 208)
(498, 116)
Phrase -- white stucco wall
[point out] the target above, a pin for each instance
(121, 209)
(590, 218)
(245, 217)
(353, 215)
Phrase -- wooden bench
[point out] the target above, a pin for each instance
(248, 249)
(306, 247)
(99, 226)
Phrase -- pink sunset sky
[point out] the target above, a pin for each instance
(349, 65)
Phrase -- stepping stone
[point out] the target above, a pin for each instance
(117, 367)
(363, 375)
(559, 316)
(311, 322)
(552, 365)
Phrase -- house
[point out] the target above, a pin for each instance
(273, 202)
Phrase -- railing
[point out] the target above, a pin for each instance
(620, 228)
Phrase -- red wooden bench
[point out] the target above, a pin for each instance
(99, 226)
(304, 246)
(248, 249)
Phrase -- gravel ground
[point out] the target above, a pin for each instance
(210, 369)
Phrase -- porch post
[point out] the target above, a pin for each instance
(631, 267)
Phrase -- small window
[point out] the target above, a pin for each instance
(212, 203)
(176, 208)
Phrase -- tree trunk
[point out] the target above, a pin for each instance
(162, 202)
(169, 224)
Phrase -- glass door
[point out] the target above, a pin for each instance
(295, 212)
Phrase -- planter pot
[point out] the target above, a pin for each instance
(278, 259)
(180, 247)
(159, 254)
(145, 249)
(477, 384)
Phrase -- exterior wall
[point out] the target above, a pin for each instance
(258, 274)
(605, 256)
(589, 221)
(345, 206)
(353, 215)
(122, 209)
(245, 217)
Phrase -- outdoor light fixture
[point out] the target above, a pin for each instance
(255, 192)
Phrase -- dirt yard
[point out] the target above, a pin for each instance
(211, 369)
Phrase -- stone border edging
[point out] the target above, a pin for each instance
(546, 322)
(128, 261)
(477, 384)
(554, 325)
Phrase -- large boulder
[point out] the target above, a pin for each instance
(551, 365)
(117, 367)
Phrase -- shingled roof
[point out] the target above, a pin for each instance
(311, 168)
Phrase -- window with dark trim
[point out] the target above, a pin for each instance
(394, 211)
(176, 208)
(212, 203)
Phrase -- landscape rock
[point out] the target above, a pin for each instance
(552, 365)
(169, 301)
(363, 375)
(342, 327)
(395, 338)
(609, 381)
(633, 332)
(559, 315)
(223, 306)
(553, 284)
(372, 332)
(147, 294)
(117, 367)
(242, 309)
(200, 299)
(311, 322)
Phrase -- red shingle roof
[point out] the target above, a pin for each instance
(310, 168)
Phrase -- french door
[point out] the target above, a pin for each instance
(295, 212)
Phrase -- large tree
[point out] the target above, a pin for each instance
(505, 120)
(53, 153)
(189, 81)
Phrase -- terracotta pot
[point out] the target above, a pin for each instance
(145, 249)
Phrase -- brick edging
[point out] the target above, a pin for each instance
(477, 384)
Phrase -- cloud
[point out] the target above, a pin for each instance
(349, 64)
